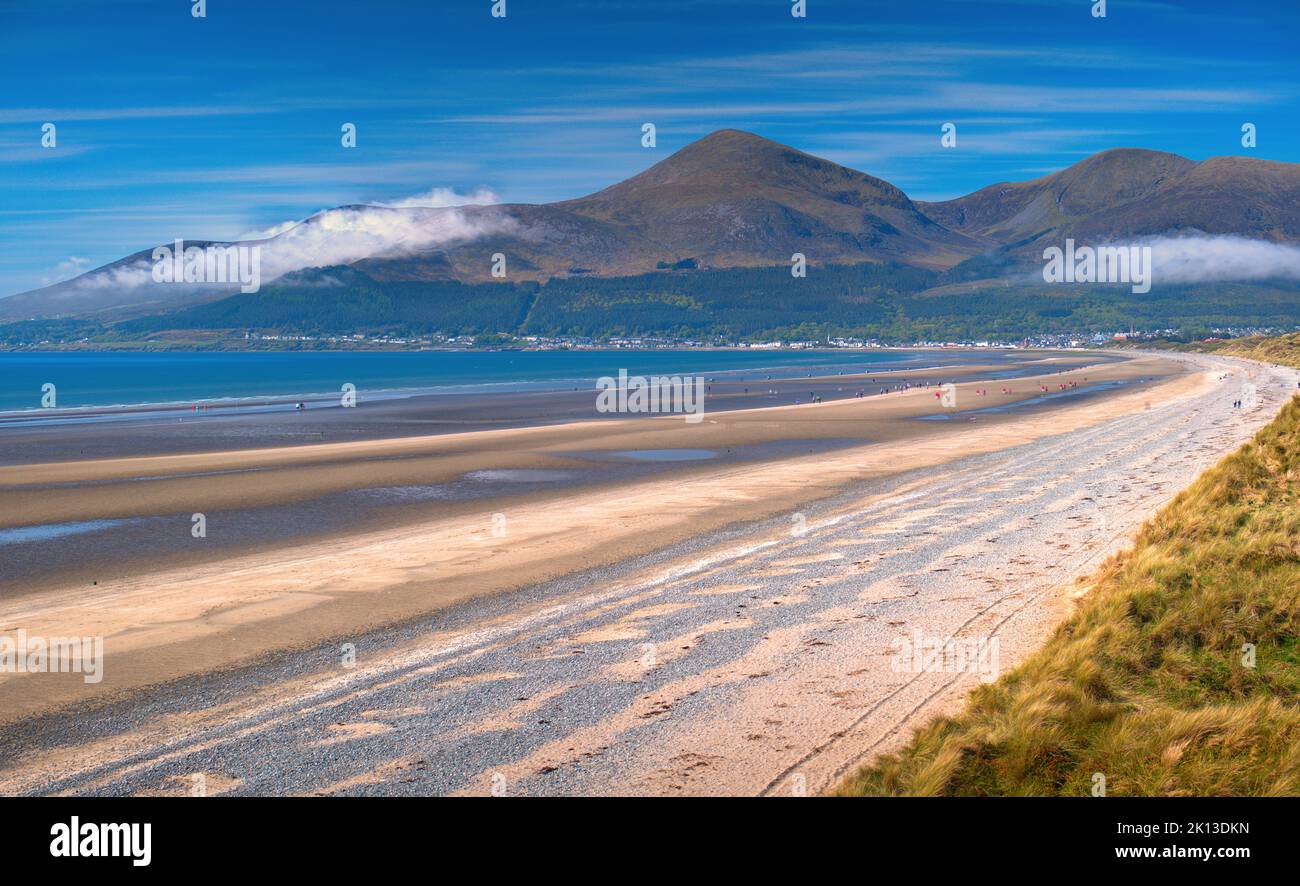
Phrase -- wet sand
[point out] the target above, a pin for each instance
(752, 658)
(189, 605)
(95, 433)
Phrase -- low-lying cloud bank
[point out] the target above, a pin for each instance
(343, 236)
(1220, 259)
(438, 198)
(410, 226)
(1150, 262)
(434, 198)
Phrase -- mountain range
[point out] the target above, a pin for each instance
(728, 201)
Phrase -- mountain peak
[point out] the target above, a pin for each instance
(727, 163)
(736, 198)
(1133, 163)
(1101, 181)
(724, 140)
(727, 135)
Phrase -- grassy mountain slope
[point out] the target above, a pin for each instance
(730, 200)
(737, 199)
(734, 202)
(888, 301)
(1127, 193)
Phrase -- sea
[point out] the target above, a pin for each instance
(83, 379)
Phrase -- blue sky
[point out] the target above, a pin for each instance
(170, 126)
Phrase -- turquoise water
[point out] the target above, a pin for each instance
(48, 531)
(127, 379)
(667, 454)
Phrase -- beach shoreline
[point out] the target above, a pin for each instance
(751, 624)
(163, 623)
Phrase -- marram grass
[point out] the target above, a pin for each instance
(1147, 683)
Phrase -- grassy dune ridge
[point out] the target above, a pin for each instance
(1148, 682)
(1284, 349)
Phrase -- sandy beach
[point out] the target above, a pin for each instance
(597, 622)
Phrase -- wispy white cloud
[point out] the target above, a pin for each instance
(378, 172)
(436, 198)
(69, 267)
(31, 151)
(1221, 259)
(56, 115)
(947, 97)
(267, 233)
(340, 237)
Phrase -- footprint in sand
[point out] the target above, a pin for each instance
(809, 561)
(341, 732)
(196, 784)
(721, 590)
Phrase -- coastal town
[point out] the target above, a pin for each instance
(260, 340)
